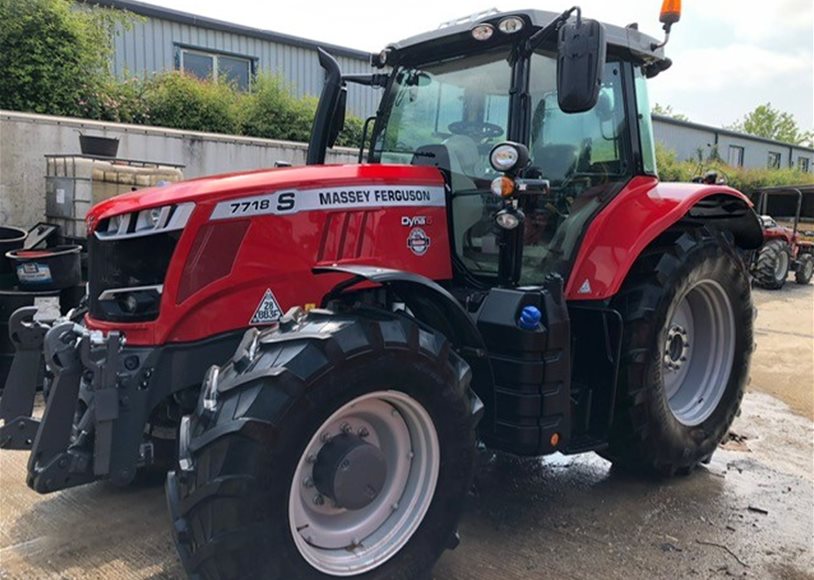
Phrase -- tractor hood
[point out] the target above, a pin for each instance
(205, 190)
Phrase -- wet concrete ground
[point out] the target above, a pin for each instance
(750, 513)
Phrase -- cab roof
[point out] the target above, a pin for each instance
(456, 39)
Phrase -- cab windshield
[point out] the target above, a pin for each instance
(451, 114)
(457, 110)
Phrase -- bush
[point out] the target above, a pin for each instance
(117, 101)
(351, 135)
(746, 180)
(272, 112)
(184, 102)
(52, 56)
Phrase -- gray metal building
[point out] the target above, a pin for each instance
(162, 39)
(737, 149)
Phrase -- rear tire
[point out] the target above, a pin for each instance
(686, 347)
(772, 267)
(805, 269)
(249, 462)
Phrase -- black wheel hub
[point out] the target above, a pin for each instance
(350, 471)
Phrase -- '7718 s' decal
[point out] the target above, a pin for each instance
(294, 201)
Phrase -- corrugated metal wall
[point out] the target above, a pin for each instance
(150, 46)
(686, 139)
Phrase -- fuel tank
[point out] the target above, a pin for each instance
(246, 244)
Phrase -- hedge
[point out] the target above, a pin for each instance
(746, 180)
(53, 55)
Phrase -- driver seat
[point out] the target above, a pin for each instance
(463, 154)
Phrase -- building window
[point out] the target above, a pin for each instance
(803, 164)
(774, 160)
(735, 156)
(218, 67)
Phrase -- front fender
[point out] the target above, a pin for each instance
(638, 215)
(420, 295)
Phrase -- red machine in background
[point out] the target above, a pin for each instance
(785, 249)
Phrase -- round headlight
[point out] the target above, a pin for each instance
(504, 157)
(130, 304)
(508, 219)
(381, 59)
(483, 31)
(511, 24)
(154, 215)
(114, 223)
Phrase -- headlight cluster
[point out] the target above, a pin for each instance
(145, 222)
(508, 25)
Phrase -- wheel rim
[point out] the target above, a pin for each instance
(343, 542)
(699, 349)
(781, 267)
(808, 269)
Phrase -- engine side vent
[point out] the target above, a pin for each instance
(212, 256)
(346, 235)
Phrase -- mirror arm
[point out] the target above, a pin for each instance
(370, 80)
(552, 27)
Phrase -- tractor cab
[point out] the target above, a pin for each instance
(569, 97)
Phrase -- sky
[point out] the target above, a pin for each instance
(729, 56)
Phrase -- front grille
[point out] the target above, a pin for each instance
(126, 263)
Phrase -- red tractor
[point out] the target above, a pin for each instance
(784, 249)
(505, 267)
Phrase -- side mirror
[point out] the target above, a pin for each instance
(338, 120)
(580, 61)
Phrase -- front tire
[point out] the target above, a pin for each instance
(772, 267)
(805, 269)
(343, 446)
(687, 343)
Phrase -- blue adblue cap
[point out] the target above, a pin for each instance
(530, 317)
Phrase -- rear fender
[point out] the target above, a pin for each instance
(639, 214)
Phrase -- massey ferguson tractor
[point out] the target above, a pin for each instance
(784, 249)
(324, 345)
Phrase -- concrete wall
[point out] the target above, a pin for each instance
(26, 138)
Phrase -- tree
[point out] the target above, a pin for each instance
(52, 54)
(766, 121)
(667, 111)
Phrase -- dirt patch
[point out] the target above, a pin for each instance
(783, 365)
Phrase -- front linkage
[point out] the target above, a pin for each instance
(97, 402)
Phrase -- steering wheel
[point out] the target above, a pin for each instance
(475, 129)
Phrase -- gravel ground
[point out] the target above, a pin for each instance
(750, 513)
